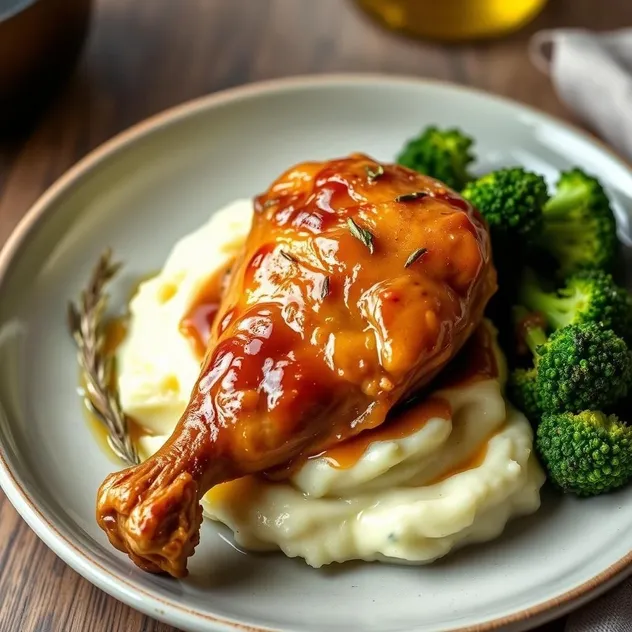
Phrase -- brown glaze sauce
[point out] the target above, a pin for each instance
(475, 362)
(304, 323)
(409, 421)
(197, 323)
(323, 329)
(307, 330)
(471, 463)
(115, 332)
(100, 434)
(239, 489)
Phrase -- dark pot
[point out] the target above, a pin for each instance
(40, 41)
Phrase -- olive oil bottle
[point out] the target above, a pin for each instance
(454, 19)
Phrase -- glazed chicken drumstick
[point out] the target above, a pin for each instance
(357, 284)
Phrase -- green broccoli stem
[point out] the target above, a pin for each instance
(564, 201)
(533, 332)
(563, 231)
(535, 336)
(567, 241)
(558, 310)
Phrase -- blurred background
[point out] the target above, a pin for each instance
(143, 56)
(73, 73)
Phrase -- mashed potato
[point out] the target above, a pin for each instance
(408, 493)
(157, 366)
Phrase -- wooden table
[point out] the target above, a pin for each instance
(146, 55)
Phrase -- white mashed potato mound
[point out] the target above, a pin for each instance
(452, 482)
(157, 366)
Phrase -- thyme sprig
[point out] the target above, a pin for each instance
(410, 197)
(85, 322)
(373, 173)
(416, 254)
(362, 234)
(324, 288)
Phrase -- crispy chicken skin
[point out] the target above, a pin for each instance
(332, 315)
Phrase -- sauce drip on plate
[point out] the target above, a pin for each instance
(115, 332)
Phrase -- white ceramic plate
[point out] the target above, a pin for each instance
(142, 191)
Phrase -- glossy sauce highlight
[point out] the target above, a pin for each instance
(197, 323)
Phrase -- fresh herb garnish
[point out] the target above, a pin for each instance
(373, 173)
(324, 288)
(362, 234)
(409, 197)
(85, 322)
(416, 254)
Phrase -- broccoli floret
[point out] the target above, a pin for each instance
(582, 366)
(587, 297)
(587, 453)
(511, 200)
(441, 153)
(523, 393)
(523, 386)
(578, 367)
(579, 226)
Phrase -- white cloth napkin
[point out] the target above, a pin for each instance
(592, 74)
(612, 613)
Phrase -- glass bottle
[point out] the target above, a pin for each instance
(454, 19)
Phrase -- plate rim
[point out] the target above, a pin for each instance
(80, 559)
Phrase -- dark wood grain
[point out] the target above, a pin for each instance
(144, 56)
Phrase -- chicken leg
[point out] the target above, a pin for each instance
(357, 284)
